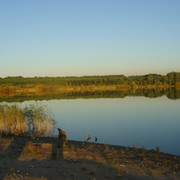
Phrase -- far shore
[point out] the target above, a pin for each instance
(47, 92)
(4, 89)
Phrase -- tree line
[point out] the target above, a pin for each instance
(172, 78)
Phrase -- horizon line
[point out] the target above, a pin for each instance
(19, 76)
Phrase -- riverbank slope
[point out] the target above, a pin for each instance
(27, 158)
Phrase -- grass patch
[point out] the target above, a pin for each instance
(32, 120)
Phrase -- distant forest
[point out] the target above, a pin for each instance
(110, 86)
(172, 78)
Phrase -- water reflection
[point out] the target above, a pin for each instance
(125, 118)
(171, 93)
(129, 121)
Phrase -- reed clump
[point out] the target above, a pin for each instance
(31, 120)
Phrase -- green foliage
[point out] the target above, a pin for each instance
(157, 153)
(157, 149)
(44, 88)
(150, 79)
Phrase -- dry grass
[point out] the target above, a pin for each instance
(31, 120)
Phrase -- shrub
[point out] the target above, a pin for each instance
(32, 120)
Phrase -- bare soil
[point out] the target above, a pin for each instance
(27, 158)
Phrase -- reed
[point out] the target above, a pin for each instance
(32, 120)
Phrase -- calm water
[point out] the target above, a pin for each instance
(130, 121)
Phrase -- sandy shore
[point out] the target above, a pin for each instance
(25, 158)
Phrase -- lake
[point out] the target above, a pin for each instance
(130, 121)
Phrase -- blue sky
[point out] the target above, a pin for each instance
(89, 37)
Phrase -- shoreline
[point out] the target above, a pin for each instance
(40, 88)
(37, 158)
(11, 94)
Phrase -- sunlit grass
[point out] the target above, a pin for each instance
(32, 120)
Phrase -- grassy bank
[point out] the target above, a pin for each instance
(42, 89)
(87, 83)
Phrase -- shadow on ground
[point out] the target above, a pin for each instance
(43, 158)
(26, 158)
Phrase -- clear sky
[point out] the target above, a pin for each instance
(89, 37)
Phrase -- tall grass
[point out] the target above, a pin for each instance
(32, 120)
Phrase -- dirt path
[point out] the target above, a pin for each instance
(24, 158)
